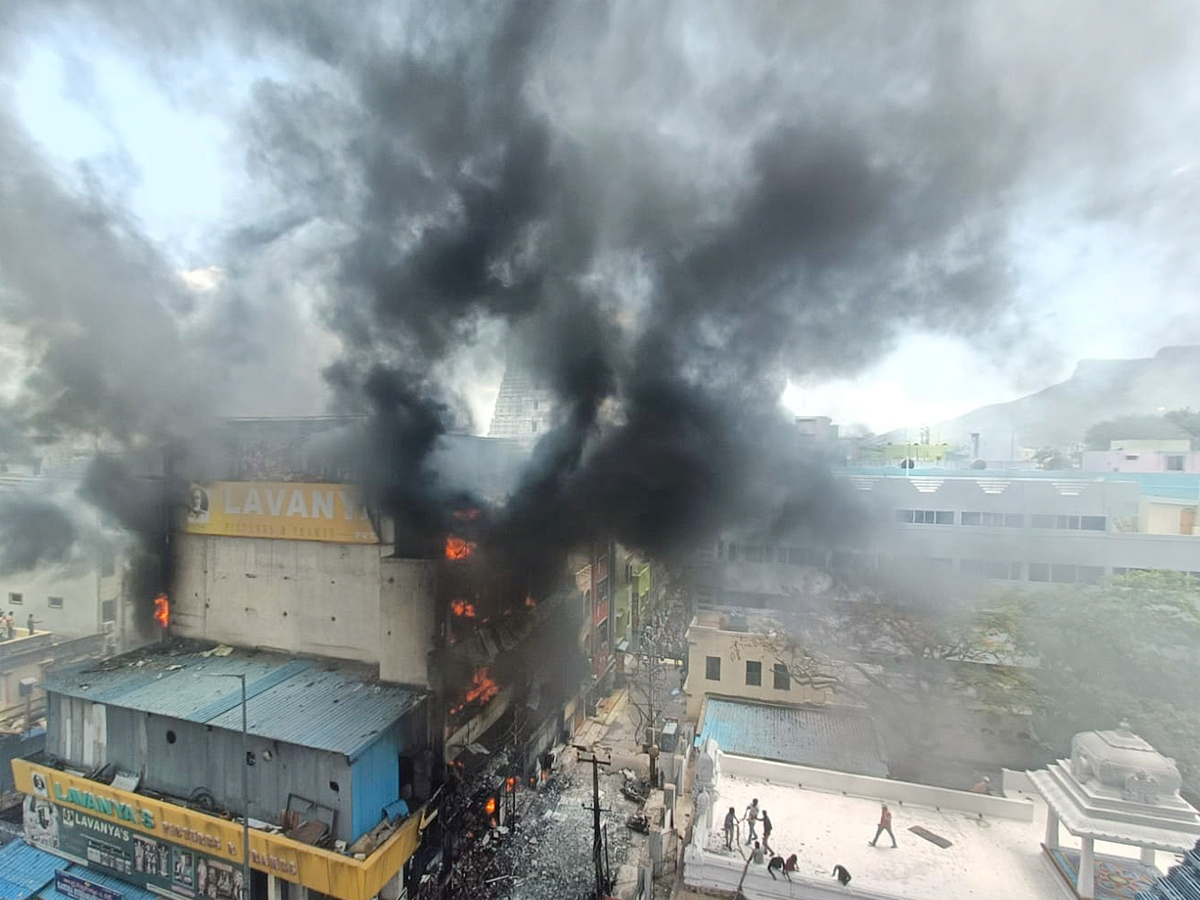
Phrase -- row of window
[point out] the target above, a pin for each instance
(783, 680)
(756, 553)
(1005, 520)
(848, 561)
(15, 599)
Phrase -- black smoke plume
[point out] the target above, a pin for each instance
(662, 210)
(33, 532)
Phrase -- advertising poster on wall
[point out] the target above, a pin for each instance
(136, 858)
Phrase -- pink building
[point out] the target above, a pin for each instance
(1144, 456)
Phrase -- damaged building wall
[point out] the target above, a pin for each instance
(295, 596)
(406, 619)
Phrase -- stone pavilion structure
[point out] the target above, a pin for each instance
(1115, 788)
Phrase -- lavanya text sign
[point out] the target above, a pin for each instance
(279, 509)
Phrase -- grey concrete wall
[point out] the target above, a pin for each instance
(296, 596)
(406, 619)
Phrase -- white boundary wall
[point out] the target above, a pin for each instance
(720, 873)
(900, 792)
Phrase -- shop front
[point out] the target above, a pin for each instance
(176, 851)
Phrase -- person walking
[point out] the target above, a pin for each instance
(766, 824)
(29, 623)
(731, 821)
(752, 819)
(756, 856)
(885, 824)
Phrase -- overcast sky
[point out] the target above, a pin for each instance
(166, 143)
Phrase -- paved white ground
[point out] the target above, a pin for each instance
(990, 859)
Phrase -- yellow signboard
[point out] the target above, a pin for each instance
(280, 509)
(118, 814)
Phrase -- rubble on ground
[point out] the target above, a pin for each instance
(547, 853)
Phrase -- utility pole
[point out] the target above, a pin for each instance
(651, 655)
(245, 782)
(603, 878)
(246, 875)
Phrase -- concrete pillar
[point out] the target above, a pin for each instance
(1051, 830)
(393, 889)
(656, 851)
(1148, 856)
(274, 888)
(1086, 886)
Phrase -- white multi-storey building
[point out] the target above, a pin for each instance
(1033, 527)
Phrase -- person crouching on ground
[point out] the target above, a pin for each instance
(777, 864)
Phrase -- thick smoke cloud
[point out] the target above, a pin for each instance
(667, 209)
(33, 532)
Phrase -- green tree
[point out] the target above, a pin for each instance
(928, 665)
(1050, 458)
(1129, 650)
(1173, 425)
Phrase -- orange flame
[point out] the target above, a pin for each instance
(463, 609)
(162, 610)
(482, 689)
(490, 808)
(457, 548)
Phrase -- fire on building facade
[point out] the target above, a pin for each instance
(283, 569)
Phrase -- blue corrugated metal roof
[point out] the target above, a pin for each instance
(24, 869)
(297, 701)
(10, 890)
(202, 690)
(331, 710)
(803, 736)
(124, 888)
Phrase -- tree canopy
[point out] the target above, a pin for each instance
(920, 659)
(1172, 425)
(1128, 649)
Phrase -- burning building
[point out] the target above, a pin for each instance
(306, 567)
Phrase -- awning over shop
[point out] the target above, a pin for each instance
(27, 872)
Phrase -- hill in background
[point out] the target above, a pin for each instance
(1098, 390)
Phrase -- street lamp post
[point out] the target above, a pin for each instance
(241, 677)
